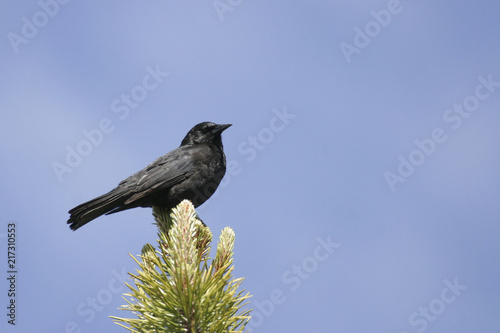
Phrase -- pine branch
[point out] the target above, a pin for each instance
(176, 289)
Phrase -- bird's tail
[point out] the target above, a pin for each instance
(86, 212)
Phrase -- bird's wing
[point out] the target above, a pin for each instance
(163, 173)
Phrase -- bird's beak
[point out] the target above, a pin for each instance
(221, 128)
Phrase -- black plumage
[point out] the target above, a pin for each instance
(193, 171)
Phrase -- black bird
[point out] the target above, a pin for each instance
(193, 171)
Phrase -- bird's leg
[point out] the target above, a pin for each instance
(199, 218)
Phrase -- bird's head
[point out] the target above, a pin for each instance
(205, 132)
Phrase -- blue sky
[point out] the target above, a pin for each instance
(364, 150)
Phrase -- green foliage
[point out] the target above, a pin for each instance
(176, 289)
